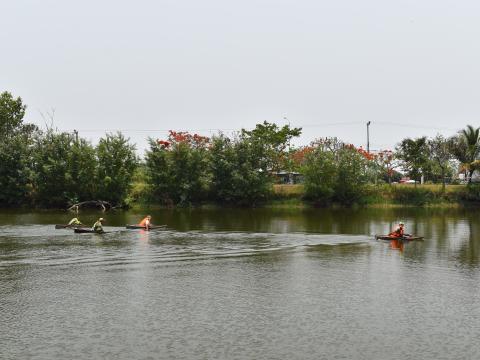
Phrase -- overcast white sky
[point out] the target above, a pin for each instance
(410, 67)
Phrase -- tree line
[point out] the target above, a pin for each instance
(49, 168)
(53, 169)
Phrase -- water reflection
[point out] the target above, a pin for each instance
(294, 283)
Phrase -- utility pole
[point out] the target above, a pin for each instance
(368, 137)
(76, 135)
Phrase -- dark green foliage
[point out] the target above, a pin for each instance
(338, 175)
(471, 194)
(412, 195)
(351, 176)
(64, 170)
(274, 141)
(52, 180)
(12, 112)
(67, 170)
(15, 172)
(239, 171)
(116, 164)
(320, 172)
(82, 165)
(16, 140)
(414, 154)
(177, 170)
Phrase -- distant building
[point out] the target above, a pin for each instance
(288, 177)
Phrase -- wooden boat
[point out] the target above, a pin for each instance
(152, 227)
(66, 226)
(402, 238)
(87, 231)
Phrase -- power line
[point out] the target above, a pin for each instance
(359, 123)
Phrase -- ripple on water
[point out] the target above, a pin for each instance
(42, 245)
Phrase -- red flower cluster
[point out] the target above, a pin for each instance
(163, 143)
(183, 137)
(367, 155)
(299, 155)
(385, 158)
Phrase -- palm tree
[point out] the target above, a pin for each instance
(470, 136)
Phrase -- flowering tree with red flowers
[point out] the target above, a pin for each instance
(386, 161)
(177, 168)
(297, 156)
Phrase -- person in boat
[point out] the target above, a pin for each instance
(98, 226)
(146, 222)
(74, 222)
(399, 231)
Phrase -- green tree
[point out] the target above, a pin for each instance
(335, 173)
(440, 153)
(352, 176)
(320, 175)
(275, 140)
(414, 156)
(239, 171)
(177, 169)
(52, 178)
(465, 147)
(116, 164)
(12, 112)
(16, 140)
(82, 167)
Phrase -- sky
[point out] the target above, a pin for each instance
(412, 68)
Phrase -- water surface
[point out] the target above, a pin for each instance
(241, 284)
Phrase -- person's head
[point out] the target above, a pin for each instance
(101, 220)
(401, 224)
(149, 217)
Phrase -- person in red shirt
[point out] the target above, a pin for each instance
(146, 222)
(399, 231)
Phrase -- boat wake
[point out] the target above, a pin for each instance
(42, 245)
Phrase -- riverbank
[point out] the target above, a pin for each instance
(374, 196)
(386, 195)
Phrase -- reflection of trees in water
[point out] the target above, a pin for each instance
(469, 252)
(446, 231)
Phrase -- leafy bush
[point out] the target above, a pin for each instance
(239, 171)
(335, 176)
(177, 169)
(117, 162)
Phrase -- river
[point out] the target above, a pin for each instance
(241, 284)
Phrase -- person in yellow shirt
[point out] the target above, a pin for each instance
(98, 226)
(74, 222)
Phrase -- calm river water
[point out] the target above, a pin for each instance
(241, 284)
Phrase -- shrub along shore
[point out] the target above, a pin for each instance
(54, 169)
(395, 195)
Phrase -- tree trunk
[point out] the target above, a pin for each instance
(470, 174)
(443, 180)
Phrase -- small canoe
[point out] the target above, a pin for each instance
(403, 238)
(66, 226)
(153, 227)
(87, 231)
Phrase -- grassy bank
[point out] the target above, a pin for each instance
(394, 195)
